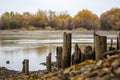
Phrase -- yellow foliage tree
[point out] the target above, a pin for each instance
(110, 20)
(86, 19)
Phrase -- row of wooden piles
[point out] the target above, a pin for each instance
(65, 59)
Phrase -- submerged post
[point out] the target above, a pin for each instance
(111, 43)
(111, 48)
(48, 62)
(66, 55)
(59, 57)
(100, 46)
(25, 68)
(118, 42)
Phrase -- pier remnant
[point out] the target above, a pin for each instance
(48, 62)
(100, 46)
(25, 68)
(111, 43)
(59, 57)
(118, 42)
(111, 48)
(76, 57)
(89, 53)
(66, 54)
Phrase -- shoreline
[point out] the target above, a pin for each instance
(52, 34)
(19, 30)
(104, 69)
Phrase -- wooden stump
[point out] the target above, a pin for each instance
(118, 42)
(87, 49)
(59, 57)
(100, 46)
(89, 53)
(111, 48)
(48, 62)
(66, 55)
(111, 43)
(94, 34)
(69, 44)
(76, 57)
(25, 68)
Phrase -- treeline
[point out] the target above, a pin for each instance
(85, 19)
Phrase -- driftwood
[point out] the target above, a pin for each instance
(110, 53)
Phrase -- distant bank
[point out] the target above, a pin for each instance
(53, 33)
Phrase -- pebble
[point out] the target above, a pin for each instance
(99, 64)
(117, 71)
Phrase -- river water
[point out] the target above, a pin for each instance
(15, 48)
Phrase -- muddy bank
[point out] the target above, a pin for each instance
(6, 74)
(38, 34)
(104, 69)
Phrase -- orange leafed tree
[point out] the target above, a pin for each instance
(86, 19)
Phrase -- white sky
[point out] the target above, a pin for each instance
(71, 6)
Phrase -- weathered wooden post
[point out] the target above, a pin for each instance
(111, 43)
(118, 42)
(111, 48)
(94, 34)
(69, 44)
(25, 68)
(48, 62)
(100, 46)
(76, 57)
(65, 51)
(59, 57)
(89, 53)
(66, 55)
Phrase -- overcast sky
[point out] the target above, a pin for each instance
(71, 6)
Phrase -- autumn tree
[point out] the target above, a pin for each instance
(51, 18)
(5, 18)
(25, 19)
(110, 20)
(39, 19)
(16, 21)
(11, 20)
(0, 23)
(14, 24)
(86, 19)
(62, 21)
(65, 21)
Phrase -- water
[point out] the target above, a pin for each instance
(16, 49)
(36, 51)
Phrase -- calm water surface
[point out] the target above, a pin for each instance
(16, 50)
